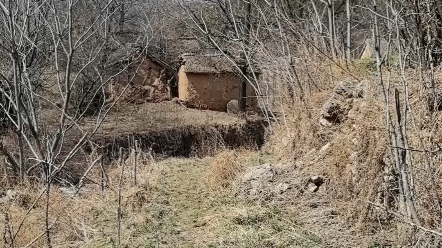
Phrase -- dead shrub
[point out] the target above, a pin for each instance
(223, 169)
(356, 166)
(299, 131)
(353, 163)
(25, 200)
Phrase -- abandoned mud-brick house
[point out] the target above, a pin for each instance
(145, 79)
(210, 82)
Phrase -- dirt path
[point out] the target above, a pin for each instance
(185, 212)
(172, 205)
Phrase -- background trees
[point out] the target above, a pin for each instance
(56, 57)
(302, 40)
(54, 65)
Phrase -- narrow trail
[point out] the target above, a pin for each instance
(187, 213)
(191, 204)
(189, 195)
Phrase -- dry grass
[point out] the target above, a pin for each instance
(227, 165)
(79, 220)
(357, 163)
(190, 203)
(350, 156)
(172, 206)
(298, 132)
(353, 161)
(224, 167)
(128, 119)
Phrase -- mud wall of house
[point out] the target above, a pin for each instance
(209, 91)
(183, 85)
(146, 73)
(145, 84)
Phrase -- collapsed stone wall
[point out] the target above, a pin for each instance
(145, 81)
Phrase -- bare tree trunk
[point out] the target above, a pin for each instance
(348, 45)
(396, 135)
(385, 94)
(120, 186)
(17, 93)
(17, 86)
(331, 28)
(103, 174)
(47, 225)
(244, 65)
(135, 161)
(122, 17)
(320, 27)
(402, 161)
(429, 48)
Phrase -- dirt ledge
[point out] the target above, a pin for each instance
(190, 140)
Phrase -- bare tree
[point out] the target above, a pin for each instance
(70, 39)
(348, 44)
(331, 27)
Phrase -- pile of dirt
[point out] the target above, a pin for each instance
(282, 182)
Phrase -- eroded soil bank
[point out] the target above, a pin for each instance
(191, 140)
(162, 130)
(171, 129)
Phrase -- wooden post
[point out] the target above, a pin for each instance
(401, 160)
(135, 161)
(104, 176)
(242, 103)
(120, 185)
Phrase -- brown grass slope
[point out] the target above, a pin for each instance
(355, 156)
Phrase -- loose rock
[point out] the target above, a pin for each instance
(264, 172)
(337, 107)
(335, 110)
(256, 183)
(8, 196)
(312, 188)
(349, 89)
(70, 191)
(282, 187)
(233, 107)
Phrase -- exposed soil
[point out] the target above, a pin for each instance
(163, 129)
(174, 130)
